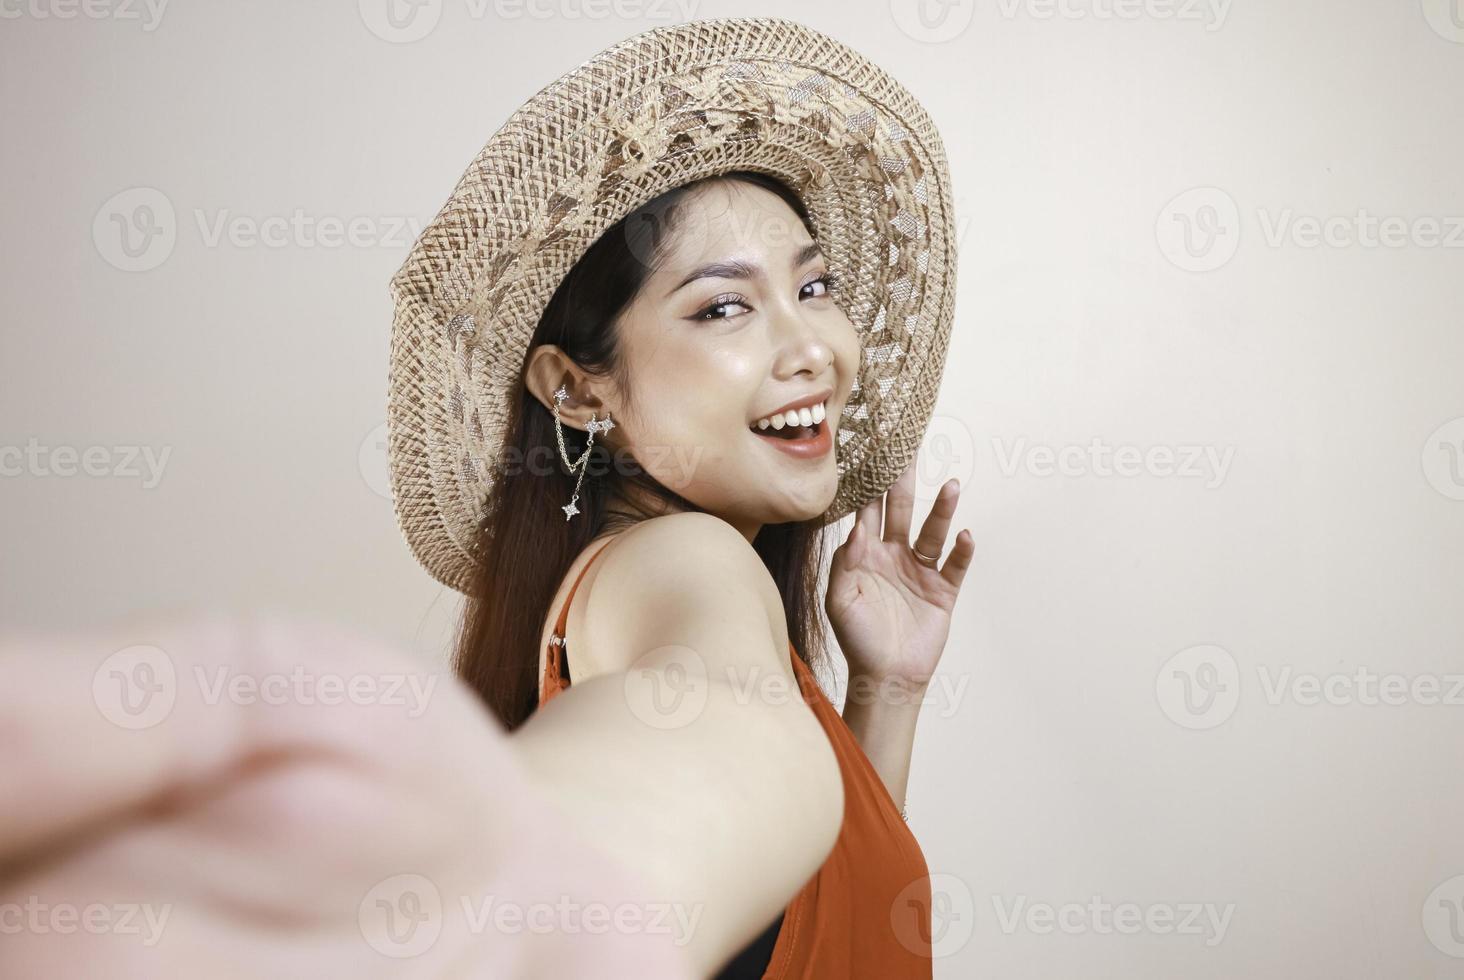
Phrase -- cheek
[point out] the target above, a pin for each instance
(695, 394)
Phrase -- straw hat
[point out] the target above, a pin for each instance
(657, 110)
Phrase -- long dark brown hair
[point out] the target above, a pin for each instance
(524, 544)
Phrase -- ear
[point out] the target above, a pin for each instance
(548, 369)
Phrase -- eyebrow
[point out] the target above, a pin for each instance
(741, 269)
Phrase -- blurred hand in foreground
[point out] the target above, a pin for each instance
(244, 797)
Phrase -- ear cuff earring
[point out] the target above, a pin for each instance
(594, 425)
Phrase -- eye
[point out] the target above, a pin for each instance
(830, 283)
(721, 303)
(710, 311)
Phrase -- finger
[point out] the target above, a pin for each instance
(900, 507)
(937, 523)
(959, 560)
(869, 518)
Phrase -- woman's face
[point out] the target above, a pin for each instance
(735, 324)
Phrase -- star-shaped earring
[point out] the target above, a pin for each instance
(569, 510)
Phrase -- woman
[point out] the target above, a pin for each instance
(722, 252)
(701, 234)
(700, 363)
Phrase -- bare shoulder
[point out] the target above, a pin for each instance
(680, 578)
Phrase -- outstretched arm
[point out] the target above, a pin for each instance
(666, 761)
(243, 797)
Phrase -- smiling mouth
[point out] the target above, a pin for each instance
(794, 425)
(790, 433)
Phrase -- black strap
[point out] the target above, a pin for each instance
(752, 962)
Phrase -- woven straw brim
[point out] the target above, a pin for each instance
(653, 112)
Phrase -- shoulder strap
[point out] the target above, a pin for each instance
(556, 672)
(559, 623)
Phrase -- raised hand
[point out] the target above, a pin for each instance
(891, 611)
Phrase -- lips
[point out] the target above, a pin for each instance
(801, 441)
(799, 428)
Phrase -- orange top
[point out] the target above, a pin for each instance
(866, 912)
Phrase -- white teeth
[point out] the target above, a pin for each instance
(812, 415)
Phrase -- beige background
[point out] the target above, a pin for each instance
(1136, 185)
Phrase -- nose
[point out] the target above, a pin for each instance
(800, 345)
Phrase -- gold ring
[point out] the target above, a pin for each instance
(923, 558)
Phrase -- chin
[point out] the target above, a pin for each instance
(807, 510)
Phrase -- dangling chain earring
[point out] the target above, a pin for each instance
(592, 426)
